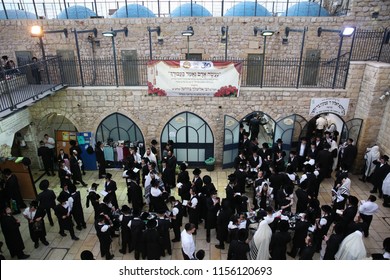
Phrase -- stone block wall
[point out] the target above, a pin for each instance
(87, 107)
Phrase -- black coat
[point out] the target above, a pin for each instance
(152, 244)
(278, 245)
(223, 220)
(12, 236)
(47, 199)
(36, 235)
(163, 231)
(75, 169)
(238, 250)
(136, 228)
(64, 220)
(300, 233)
(111, 188)
(212, 210)
(302, 200)
(137, 199)
(77, 210)
(379, 174)
(349, 156)
(12, 189)
(332, 246)
(100, 156)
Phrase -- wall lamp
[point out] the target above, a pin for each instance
(112, 33)
(265, 33)
(224, 38)
(346, 32)
(37, 31)
(383, 96)
(76, 37)
(188, 33)
(160, 40)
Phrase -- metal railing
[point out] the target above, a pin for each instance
(371, 45)
(160, 8)
(277, 72)
(27, 82)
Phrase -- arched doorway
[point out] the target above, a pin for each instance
(349, 129)
(289, 130)
(192, 137)
(117, 127)
(230, 141)
(266, 127)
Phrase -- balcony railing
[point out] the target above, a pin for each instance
(28, 83)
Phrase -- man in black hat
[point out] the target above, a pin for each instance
(47, 199)
(197, 182)
(64, 217)
(110, 187)
(151, 241)
(77, 208)
(163, 226)
(322, 226)
(36, 224)
(137, 226)
(278, 147)
(171, 166)
(134, 192)
(102, 226)
(12, 190)
(381, 170)
(13, 239)
(47, 158)
(124, 220)
(176, 217)
(212, 206)
(93, 198)
(101, 161)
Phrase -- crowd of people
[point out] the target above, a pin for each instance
(270, 203)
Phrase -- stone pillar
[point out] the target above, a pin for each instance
(375, 82)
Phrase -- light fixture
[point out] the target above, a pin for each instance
(383, 96)
(36, 31)
(346, 32)
(160, 40)
(265, 33)
(112, 33)
(224, 38)
(189, 32)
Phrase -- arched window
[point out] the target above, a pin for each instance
(192, 137)
(118, 127)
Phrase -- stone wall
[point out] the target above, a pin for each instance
(15, 35)
(87, 107)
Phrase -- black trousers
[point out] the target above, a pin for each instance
(366, 219)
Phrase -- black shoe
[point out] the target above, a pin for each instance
(36, 245)
(23, 257)
(83, 172)
(78, 227)
(175, 240)
(373, 191)
(84, 184)
(45, 243)
(208, 239)
(63, 234)
(362, 179)
(220, 247)
(122, 251)
(110, 257)
(84, 226)
(75, 238)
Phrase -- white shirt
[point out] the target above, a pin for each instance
(155, 192)
(30, 215)
(194, 202)
(50, 143)
(188, 244)
(368, 208)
